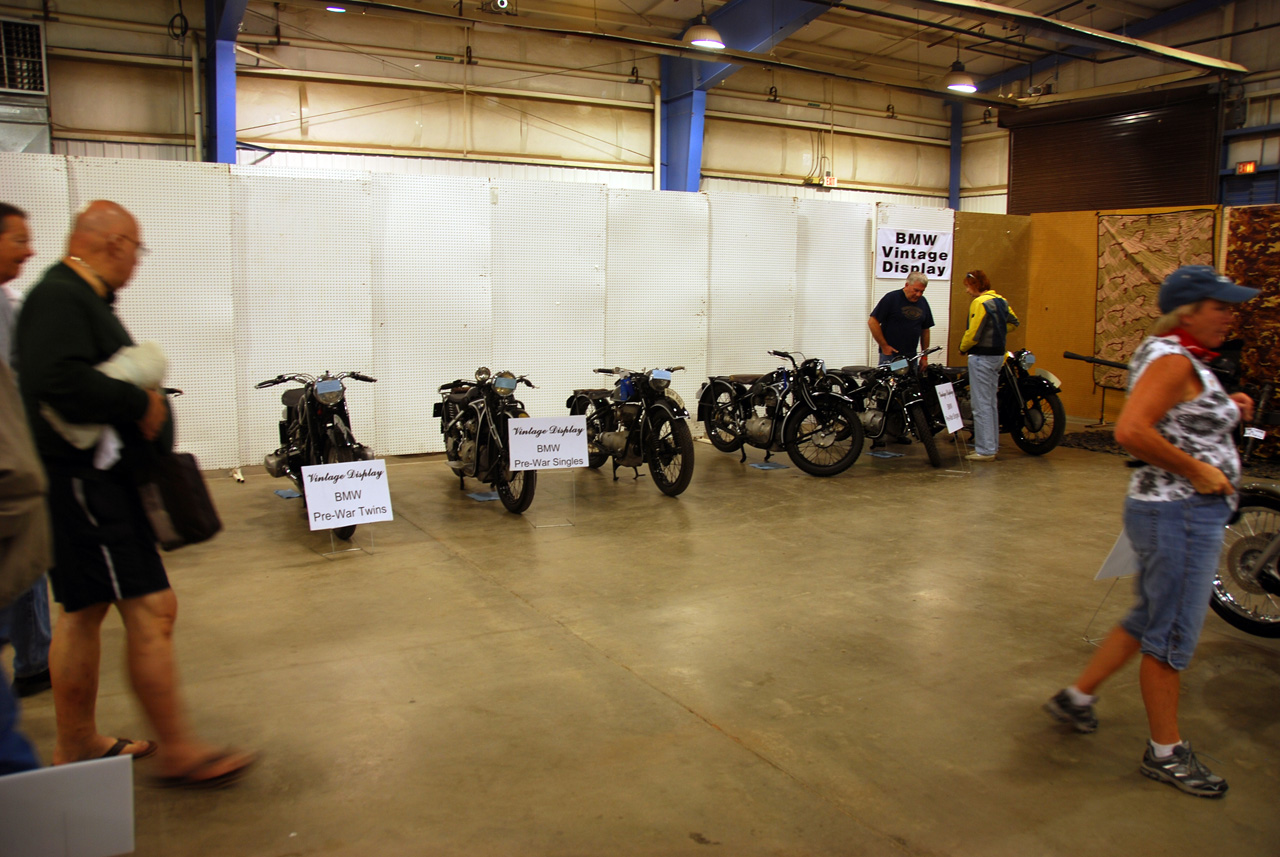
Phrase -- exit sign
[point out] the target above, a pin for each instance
(1244, 168)
(828, 180)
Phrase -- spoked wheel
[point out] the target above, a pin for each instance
(1238, 597)
(600, 419)
(920, 425)
(825, 441)
(340, 453)
(724, 419)
(515, 489)
(1043, 422)
(669, 453)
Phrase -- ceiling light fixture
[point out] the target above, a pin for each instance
(959, 80)
(703, 35)
(334, 9)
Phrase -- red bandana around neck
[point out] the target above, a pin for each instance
(1204, 355)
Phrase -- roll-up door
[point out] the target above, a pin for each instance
(1135, 151)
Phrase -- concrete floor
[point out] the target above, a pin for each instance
(770, 664)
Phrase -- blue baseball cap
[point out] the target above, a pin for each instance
(1192, 283)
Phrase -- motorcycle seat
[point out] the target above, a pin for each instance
(745, 379)
(460, 395)
(292, 397)
(599, 393)
(857, 370)
(952, 372)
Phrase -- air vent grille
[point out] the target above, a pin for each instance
(22, 67)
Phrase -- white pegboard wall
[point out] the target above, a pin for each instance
(549, 258)
(180, 293)
(833, 280)
(432, 300)
(303, 294)
(656, 308)
(939, 291)
(38, 185)
(752, 281)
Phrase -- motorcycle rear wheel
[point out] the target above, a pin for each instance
(600, 419)
(669, 453)
(340, 453)
(1044, 421)
(824, 442)
(920, 425)
(723, 423)
(1237, 596)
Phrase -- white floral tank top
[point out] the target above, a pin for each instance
(1202, 427)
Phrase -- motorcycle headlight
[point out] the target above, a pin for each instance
(504, 383)
(1027, 360)
(329, 391)
(660, 379)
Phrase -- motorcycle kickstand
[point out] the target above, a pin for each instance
(744, 454)
(637, 472)
(462, 483)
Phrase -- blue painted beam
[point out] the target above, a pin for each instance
(745, 25)
(1136, 30)
(222, 23)
(957, 142)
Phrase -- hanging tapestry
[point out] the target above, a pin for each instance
(1253, 259)
(1135, 253)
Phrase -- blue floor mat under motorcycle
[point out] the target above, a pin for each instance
(484, 496)
(287, 493)
(769, 465)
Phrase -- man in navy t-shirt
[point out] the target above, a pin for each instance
(900, 322)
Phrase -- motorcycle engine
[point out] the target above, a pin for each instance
(759, 430)
(614, 441)
(872, 422)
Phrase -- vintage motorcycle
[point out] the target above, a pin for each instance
(315, 428)
(640, 421)
(1027, 401)
(1246, 590)
(783, 409)
(473, 419)
(893, 400)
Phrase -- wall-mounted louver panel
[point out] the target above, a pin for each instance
(22, 65)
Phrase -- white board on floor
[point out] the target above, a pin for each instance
(80, 810)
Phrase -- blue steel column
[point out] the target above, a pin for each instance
(957, 141)
(222, 23)
(683, 119)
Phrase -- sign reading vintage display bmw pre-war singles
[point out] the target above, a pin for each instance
(901, 251)
(340, 495)
(548, 443)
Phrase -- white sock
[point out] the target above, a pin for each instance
(1162, 751)
(1079, 697)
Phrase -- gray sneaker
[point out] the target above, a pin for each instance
(1184, 771)
(1063, 710)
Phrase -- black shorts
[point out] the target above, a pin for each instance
(103, 546)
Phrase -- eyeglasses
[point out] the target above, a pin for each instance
(143, 249)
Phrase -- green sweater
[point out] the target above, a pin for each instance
(65, 329)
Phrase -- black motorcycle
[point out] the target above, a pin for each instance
(473, 419)
(315, 428)
(1246, 589)
(783, 409)
(893, 400)
(640, 421)
(1027, 401)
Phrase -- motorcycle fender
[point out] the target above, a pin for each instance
(707, 395)
(818, 399)
(675, 412)
(1251, 491)
(1048, 377)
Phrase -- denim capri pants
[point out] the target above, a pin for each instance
(1178, 543)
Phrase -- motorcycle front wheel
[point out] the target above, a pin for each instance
(600, 419)
(723, 425)
(669, 453)
(920, 425)
(1043, 422)
(340, 453)
(1237, 596)
(516, 493)
(825, 441)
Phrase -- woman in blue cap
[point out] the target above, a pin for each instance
(1179, 422)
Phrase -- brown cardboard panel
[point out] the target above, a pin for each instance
(998, 244)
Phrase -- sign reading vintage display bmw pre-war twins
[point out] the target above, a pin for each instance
(340, 495)
(901, 251)
(548, 443)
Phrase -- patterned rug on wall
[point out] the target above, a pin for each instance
(1135, 253)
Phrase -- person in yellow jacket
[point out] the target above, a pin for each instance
(990, 320)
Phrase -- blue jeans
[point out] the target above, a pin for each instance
(1178, 543)
(16, 754)
(25, 624)
(984, 377)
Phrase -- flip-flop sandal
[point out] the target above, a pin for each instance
(118, 748)
(190, 780)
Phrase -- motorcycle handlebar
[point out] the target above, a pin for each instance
(270, 382)
(1071, 355)
(361, 377)
(523, 380)
(603, 371)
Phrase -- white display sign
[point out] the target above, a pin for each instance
(547, 443)
(901, 251)
(339, 495)
(950, 407)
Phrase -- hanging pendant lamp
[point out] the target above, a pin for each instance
(703, 35)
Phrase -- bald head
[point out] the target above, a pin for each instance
(106, 238)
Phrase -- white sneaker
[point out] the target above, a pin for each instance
(977, 456)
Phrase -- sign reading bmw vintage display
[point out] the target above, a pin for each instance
(547, 443)
(340, 495)
(950, 407)
(901, 251)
